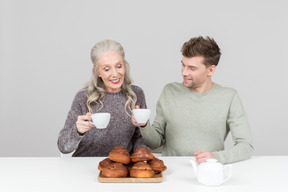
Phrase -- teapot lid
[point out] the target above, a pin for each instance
(211, 160)
(211, 164)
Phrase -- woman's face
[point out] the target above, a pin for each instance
(111, 68)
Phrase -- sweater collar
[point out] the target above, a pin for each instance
(213, 89)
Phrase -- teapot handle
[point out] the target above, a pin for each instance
(194, 164)
(229, 167)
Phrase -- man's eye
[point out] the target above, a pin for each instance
(192, 68)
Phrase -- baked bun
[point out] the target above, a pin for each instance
(104, 163)
(141, 170)
(129, 166)
(120, 154)
(115, 170)
(141, 154)
(157, 165)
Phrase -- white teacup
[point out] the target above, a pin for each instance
(141, 115)
(100, 120)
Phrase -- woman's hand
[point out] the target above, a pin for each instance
(134, 120)
(202, 156)
(83, 123)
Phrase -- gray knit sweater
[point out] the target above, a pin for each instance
(99, 142)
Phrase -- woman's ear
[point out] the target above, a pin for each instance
(94, 69)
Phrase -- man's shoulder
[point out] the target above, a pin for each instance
(225, 90)
(173, 86)
(173, 89)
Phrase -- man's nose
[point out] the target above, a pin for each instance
(184, 71)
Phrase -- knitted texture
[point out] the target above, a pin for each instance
(99, 142)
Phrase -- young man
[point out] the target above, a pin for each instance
(195, 117)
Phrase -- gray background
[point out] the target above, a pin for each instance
(45, 48)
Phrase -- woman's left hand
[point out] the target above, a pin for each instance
(134, 120)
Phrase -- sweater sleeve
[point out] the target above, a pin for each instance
(238, 124)
(68, 138)
(154, 135)
(137, 138)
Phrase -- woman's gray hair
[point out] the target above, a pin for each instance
(96, 87)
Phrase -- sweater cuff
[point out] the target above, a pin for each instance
(218, 157)
(77, 134)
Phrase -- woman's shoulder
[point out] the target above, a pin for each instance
(137, 90)
(140, 96)
(81, 94)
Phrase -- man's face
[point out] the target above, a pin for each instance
(195, 73)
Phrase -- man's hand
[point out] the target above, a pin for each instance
(201, 156)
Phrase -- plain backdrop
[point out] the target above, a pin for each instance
(45, 59)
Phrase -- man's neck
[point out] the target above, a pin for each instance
(205, 87)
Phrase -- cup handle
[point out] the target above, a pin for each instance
(229, 167)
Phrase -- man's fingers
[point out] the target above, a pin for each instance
(202, 156)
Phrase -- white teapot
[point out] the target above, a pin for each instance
(211, 172)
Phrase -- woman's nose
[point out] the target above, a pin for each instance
(114, 72)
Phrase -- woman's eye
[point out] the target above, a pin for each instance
(119, 66)
(106, 69)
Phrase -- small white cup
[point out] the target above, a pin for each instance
(100, 120)
(141, 115)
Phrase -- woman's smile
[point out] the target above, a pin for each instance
(115, 81)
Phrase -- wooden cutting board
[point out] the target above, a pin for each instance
(158, 178)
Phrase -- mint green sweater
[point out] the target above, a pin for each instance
(188, 121)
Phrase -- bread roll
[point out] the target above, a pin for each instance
(120, 154)
(141, 170)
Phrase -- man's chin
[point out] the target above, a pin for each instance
(188, 85)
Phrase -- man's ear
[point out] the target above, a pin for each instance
(212, 69)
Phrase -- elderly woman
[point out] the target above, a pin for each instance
(110, 91)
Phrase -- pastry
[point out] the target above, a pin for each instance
(120, 154)
(142, 170)
(157, 165)
(114, 170)
(141, 154)
(104, 163)
(129, 166)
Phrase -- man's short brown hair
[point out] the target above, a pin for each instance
(206, 47)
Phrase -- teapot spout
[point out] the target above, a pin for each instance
(195, 167)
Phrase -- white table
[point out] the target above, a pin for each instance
(260, 173)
